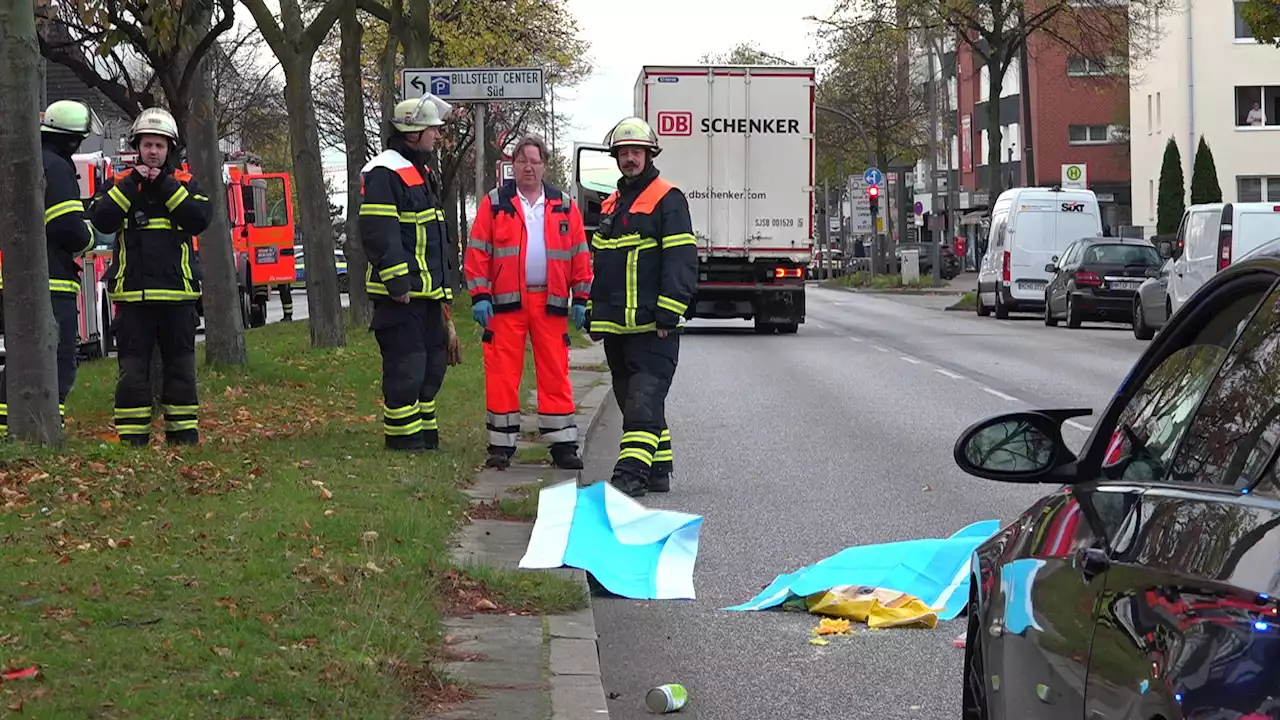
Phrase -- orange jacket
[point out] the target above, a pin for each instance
(494, 262)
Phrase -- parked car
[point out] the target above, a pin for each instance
(1151, 303)
(1096, 279)
(339, 260)
(1211, 236)
(1147, 584)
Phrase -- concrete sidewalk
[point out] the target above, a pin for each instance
(529, 668)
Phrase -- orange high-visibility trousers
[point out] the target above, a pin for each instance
(504, 353)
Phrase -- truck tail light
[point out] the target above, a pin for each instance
(1006, 272)
(788, 272)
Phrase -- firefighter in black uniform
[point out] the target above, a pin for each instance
(410, 276)
(646, 270)
(155, 210)
(66, 123)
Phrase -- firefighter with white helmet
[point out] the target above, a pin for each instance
(155, 209)
(63, 126)
(411, 274)
(645, 253)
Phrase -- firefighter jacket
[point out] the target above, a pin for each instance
(403, 230)
(646, 258)
(65, 229)
(155, 223)
(495, 259)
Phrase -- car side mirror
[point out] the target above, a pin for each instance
(1020, 447)
(1051, 268)
(1166, 249)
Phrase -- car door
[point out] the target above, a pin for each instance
(1194, 432)
(1177, 281)
(1055, 292)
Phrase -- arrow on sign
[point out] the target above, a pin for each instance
(417, 83)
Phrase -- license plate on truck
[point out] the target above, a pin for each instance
(1031, 285)
(265, 255)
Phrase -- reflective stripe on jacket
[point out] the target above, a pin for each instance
(403, 231)
(495, 258)
(66, 233)
(646, 258)
(155, 224)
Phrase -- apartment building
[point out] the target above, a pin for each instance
(1206, 77)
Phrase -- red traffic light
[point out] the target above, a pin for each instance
(873, 191)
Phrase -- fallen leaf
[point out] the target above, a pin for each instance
(330, 513)
(224, 652)
(818, 641)
(325, 494)
(369, 535)
(374, 568)
(306, 464)
(306, 525)
(485, 604)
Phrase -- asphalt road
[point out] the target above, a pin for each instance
(795, 447)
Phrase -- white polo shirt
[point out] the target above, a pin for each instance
(535, 253)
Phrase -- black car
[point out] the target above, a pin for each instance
(1146, 586)
(1096, 279)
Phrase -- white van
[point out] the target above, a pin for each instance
(1030, 228)
(1211, 237)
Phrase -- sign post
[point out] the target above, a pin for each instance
(476, 87)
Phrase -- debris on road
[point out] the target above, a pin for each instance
(876, 607)
(832, 626)
(667, 698)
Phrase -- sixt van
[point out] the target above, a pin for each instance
(738, 140)
(1210, 238)
(1030, 228)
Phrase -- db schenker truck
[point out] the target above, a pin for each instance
(739, 141)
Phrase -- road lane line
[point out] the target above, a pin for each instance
(948, 373)
(911, 360)
(1078, 426)
(855, 338)
(880, 348)
(817, 324)
(1000, 395)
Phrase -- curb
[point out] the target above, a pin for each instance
(922, 291)
(577, 690)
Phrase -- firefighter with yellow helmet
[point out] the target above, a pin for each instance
(646, 270)
(155, 209)
(411, 274)
(64, 125)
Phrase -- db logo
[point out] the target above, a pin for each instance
(675, 123)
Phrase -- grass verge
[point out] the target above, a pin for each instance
(866, 281)
(287, 567)
(484, 589)
(968, 301)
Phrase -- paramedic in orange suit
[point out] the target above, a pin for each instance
(528, 271)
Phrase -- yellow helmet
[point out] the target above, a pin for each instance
(155, 121)
(418, 114)
(70, 117)
(632, 131)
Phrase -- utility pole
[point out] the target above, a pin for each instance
(935, 243)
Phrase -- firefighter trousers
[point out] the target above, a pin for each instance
(66, 313)
(504, 345)
(643, 366)
(414, 344)
(286, 299)
(140, 328)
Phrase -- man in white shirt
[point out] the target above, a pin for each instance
(1255, 117)
(528, 271)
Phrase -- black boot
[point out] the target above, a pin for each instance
(288, 317)
(659, 481)
(565, 456)
(406, 443)
(629, 483)
(499, 458)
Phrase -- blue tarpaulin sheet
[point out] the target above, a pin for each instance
(936, 570)
(631, 550)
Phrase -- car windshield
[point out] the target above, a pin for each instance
(1122, 255)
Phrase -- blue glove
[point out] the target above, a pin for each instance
(578, 313)
(482, 311)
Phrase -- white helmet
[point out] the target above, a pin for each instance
(70, 117)
(155, 121)
(632, 131)
(418, 114)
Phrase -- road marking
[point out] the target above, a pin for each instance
(1078, 426)
(911, 360)
(880, 348)
(817, 324)
(948, 373)
(1000, 395)
(855, 338)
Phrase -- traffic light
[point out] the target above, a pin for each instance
(873, 196)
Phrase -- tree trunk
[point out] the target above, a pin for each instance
(387, 69)
(995, 137)
(360, 310)
(324, 302)
(30, 331)
(224, 342)
(417, 51)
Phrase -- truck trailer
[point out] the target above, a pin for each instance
(738, 140)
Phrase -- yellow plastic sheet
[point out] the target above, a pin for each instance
(876, 607)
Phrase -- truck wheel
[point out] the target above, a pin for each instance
(244, 310)
(789, 329)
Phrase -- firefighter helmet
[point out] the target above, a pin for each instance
(418, 114)
(155, 121)
(632, 131)
(70, 117)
